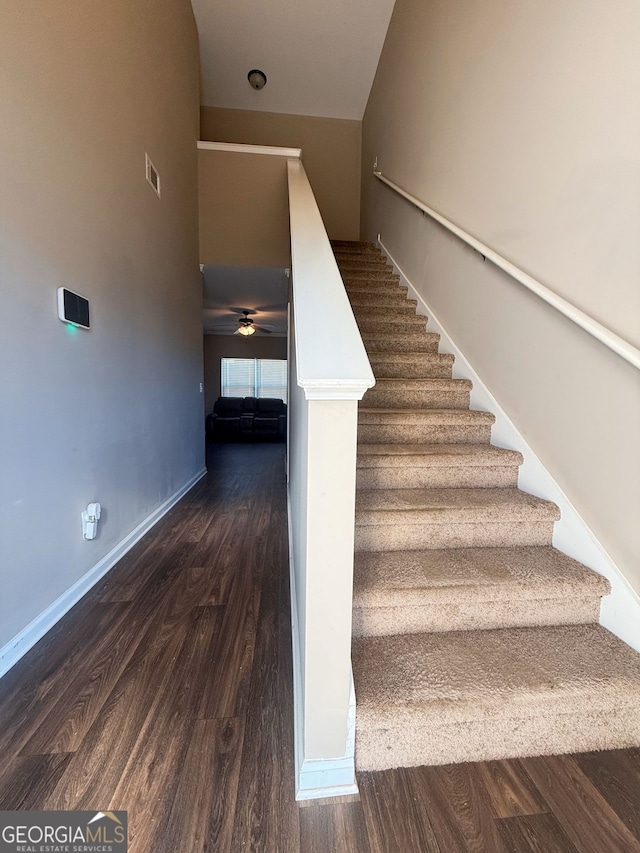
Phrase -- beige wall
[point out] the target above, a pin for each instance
(233, 346)
(520, 123)
(330, 153)
(113, 414)
(244, 209)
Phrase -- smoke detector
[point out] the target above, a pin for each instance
(257, 79)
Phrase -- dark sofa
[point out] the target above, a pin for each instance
(247, 419)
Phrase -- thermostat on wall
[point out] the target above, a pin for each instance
(73, 308)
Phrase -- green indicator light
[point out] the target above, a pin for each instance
(71, 329)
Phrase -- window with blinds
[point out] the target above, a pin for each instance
(253, 377)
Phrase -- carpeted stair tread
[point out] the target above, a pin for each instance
(421, 465)
(355, 246)
(423, 455)
(415, 518)
(390, 284)
(466, 589)
(381, 299)
(435, 426)
(488, 574)
(411, 365)
(438, 698)
(369, 275)
(392, 325)
(364, 262)
(445, 505)
(397, 416)
(388, 313)
(411, 341)
(418, 394)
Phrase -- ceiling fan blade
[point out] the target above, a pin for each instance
(262, 329)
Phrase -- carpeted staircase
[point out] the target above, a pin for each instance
(474, 638)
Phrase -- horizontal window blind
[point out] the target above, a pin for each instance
(253, 377)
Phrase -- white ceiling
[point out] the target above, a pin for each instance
(228, 290)
(320, 56)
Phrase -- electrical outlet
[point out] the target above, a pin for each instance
(375, 162)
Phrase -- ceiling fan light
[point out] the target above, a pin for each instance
(246, 330)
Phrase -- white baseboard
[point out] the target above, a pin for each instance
(19, 645)
(316, 778)
(620, 611)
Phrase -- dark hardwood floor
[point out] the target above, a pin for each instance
(167, 692)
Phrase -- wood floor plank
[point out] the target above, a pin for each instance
(585, 816)
(457, 806)
(538, 833)
(226, 691)
(226, 694)
(218, 548)
(27, 782)
(616, 775)
(201, 816)
(334, 829)
(159, 563)
(124, 580)
(70, 717)
(29, 689)
(267, 818)
(163, 742)
(95, 770)
(510, 789)
(76, 707)
(393, 822)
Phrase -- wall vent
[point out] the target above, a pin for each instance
(152, 175)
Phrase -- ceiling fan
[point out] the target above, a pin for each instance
(246, 326)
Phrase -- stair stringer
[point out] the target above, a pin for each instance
(619, 611)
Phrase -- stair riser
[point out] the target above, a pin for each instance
(402, 313)
(433, 434)
(350, 248)
(390, 301)
(427, 370)
(409, 366)
(382, 398)
(420, 342)
(365, 287)
(412, 325)
(423, 533)
(467, 616)
(512, 734)
(404, 476)
(376, 274)
(363, 262)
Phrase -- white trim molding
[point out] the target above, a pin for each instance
(620, 611)
(601, 333)
(240, 148)
(19, 645)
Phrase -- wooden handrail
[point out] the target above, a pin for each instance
(601, 333)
